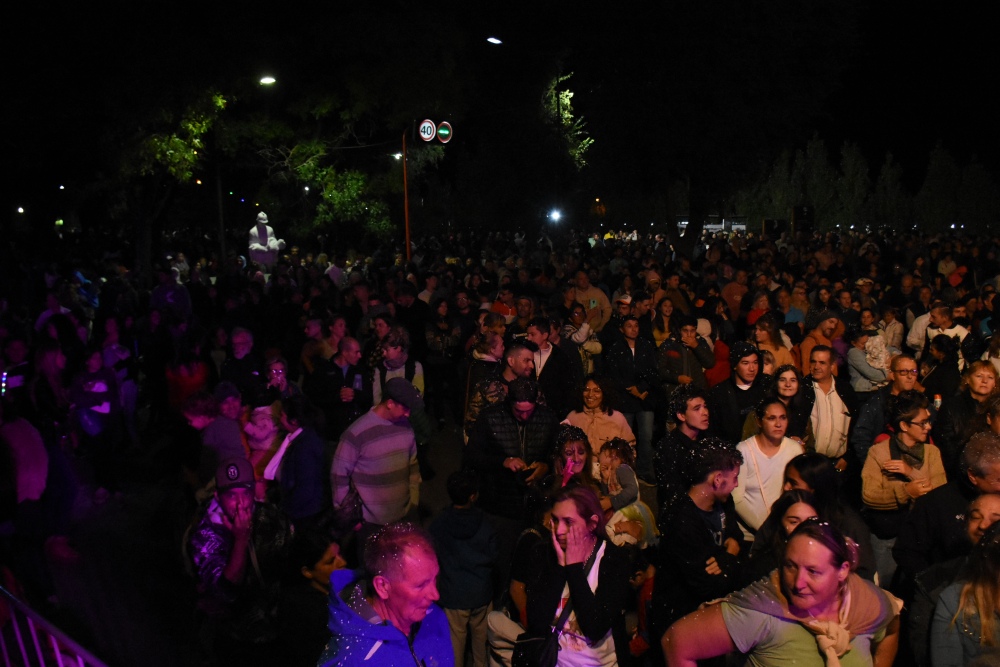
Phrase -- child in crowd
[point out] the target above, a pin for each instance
(263, 439)
(467, 546)
(630, 521)
(619, 486)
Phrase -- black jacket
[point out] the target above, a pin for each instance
(323, 386)
(681, 580)
(869, 423)
(671, 453)
(596, 611)
(639, 370)
(728, 407)
(960, 417)
(558, 383)
(934, 529)
(496, 436)
(674, 358)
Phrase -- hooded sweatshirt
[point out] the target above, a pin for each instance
(358, 641)
(467, 545)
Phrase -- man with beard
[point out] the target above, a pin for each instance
(518, 362)
(822, 333)
(509, 447)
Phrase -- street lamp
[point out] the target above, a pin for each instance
(267, 80)
(494, 40)
(555, 215)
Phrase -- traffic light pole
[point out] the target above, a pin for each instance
(406, 202)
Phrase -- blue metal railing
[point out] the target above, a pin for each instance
(28, 640)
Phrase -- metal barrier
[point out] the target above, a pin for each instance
(28, 640)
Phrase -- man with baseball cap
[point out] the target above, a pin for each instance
(232, 545)
(377, 455)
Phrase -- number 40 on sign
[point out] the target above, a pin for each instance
(428, 130)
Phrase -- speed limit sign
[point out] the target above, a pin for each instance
(427, 130)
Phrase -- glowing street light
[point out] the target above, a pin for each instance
(267, 80)
(398, 156)
(555, 215)
(494, 40)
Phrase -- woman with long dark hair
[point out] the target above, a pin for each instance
(586, 571)
(597, 418)
(787, 387)
(941, 376)
(573, 461)
(813, 472)
(788, 511)
(663, 325)
(762, 472)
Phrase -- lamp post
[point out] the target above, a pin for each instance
(406, 202)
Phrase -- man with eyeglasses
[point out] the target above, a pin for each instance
(873, 417)
(279, 386)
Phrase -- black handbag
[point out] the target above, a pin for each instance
(349, 514)
(532, 650)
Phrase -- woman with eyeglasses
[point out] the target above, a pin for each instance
(901, 466)
(964, 413)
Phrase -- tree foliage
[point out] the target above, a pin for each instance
(178, 146)
(936, 204)
(557, 109)
(891, 205)
(978, 197)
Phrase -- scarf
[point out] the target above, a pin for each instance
(865, 609)
(912, 456)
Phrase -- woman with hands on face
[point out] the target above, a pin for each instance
(585, 570)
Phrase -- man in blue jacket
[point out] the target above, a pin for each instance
(388, 616)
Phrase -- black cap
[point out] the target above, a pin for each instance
(234, 472)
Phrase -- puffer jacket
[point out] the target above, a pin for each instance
(494, 438)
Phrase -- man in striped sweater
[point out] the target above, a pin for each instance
(378, 455)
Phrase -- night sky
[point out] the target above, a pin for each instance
(910, 79)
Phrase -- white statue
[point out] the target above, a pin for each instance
(264, 247)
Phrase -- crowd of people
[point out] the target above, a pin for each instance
(806, 428)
